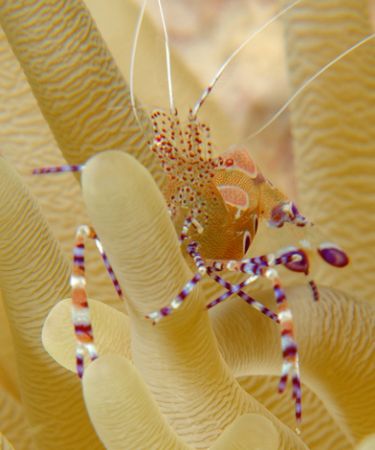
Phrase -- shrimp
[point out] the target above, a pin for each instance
(216, 204)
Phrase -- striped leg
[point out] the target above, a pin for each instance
(80, 307)
(264, 265)
(185, 228)
(189, 221)
(58, 169)
(92, 235)
(157, 315)
(107, 265)
(288, 343)
(237, 289)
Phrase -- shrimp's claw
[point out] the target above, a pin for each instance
(333, 254)
(287, 212)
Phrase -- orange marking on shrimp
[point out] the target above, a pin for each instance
(241, 160)
(234, 195)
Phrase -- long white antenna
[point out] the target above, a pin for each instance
(167, 60)
(132, 58)
(308, 82)
(218, 74)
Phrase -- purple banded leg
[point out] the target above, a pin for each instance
(157, 315)
(189, 221)
(258, 306)
(185, 229)
(288, 344)
(58, 169)
(237, 290)
(192, 249)
(314, 290)
(80, 352)
(108, 266)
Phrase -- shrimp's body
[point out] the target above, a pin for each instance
(226, 195)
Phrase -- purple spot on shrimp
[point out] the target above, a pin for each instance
(333, 256)
(300, 264)
(166, 311)
(282, 383)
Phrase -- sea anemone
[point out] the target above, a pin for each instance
(190, 383)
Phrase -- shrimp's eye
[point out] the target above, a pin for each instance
(246, 241)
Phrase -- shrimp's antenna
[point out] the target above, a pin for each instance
(218, 74)
(132, 59)
(167, 60)
(307, 83)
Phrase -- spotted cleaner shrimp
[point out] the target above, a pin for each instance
(217, 203)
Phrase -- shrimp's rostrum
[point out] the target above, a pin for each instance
(215, 204)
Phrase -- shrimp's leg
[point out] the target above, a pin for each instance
(189, 221)
(296, 260)
(108, 266)
(93, 235)
(58, 169)
(288, 343)
(157, 315)
(80, 307)
(237, 290)
(264, 265)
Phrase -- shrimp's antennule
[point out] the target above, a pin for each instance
(167, 59)
(172, 108)
(218, 74)
(307, 83)
(132, 58)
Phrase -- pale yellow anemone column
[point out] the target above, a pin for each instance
(4, 443)
(333, 126)
(33, 276)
